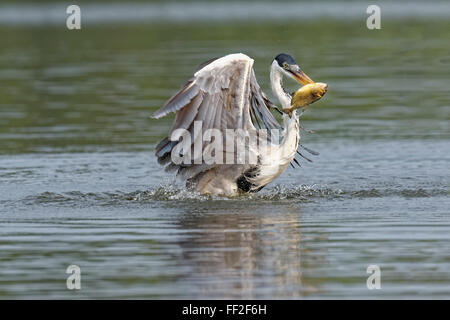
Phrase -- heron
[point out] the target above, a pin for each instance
(224, 94)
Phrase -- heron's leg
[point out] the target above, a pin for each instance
(306, 130)
(300, 125)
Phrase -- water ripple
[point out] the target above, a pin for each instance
(277, 193)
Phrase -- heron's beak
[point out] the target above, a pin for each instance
(301, 77)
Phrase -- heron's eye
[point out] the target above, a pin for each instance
(285, 65)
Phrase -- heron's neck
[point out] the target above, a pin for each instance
(276, 82)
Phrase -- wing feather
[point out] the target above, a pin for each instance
(186, 115)
(178, 100)
(223, 94)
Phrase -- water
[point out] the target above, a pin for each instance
(79, 183)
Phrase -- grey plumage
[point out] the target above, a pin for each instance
(224, 94)
(214, 97)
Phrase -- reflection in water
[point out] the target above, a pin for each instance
(246, 253)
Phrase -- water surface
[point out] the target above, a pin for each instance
(79, 183)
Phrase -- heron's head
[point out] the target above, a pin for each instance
(287, 66)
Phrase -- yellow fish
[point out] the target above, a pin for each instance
(306, 95)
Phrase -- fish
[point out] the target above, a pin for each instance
(306, 95)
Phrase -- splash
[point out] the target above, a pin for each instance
(302, 193)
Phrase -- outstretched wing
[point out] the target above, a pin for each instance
(222, 94)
